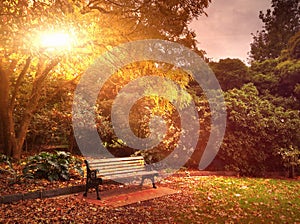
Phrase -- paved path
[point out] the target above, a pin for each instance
(122, 197)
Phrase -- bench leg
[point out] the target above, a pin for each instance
(153, 183)
(97, 191)
(86, 190)
(148, 177)
(93, 184)
(141, 184)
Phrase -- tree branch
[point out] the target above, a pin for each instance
(19, 81)
(35, 96)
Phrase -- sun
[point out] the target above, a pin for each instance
(56, 41)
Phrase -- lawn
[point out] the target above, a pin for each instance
(245, 200)
(201, 199)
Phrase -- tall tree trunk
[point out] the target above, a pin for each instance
(4, 94)
(292, 171)
(292, 167)
(1, 135)
(6, 117)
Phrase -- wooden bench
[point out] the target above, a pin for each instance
(126, 168)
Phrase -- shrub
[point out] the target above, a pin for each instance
(52, 166)
(7, 168)
(256, 130)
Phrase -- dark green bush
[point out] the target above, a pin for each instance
(52, 166)
(8, 168)
(3, 158)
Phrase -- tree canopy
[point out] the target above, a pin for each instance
(280, 24)
(231, 73)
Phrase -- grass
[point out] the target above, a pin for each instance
(244, 200)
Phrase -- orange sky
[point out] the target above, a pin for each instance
(226, 32)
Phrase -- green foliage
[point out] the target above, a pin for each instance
(265, 67)
(8, 167)
(297, 91)
(256, 130)
(3, 158)
(265, 82)
(280, 24)
(278, 77)
(289, 74)
(52, 166)
(290, 156)
(231, 73)
(294, 46)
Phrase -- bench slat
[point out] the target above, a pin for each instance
(96, 165)
(117, 159)
(111, 169)
(117, 165)
(128, 175)
(116, 162)
(103, 173)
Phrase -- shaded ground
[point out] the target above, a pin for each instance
(202, 199)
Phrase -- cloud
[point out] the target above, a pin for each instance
(226, 32)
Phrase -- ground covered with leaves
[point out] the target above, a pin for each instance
(201, 199)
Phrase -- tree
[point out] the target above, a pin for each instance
(257, 132)
(16, 17)
(280, 77)
(291, 158)
(278, 82)
(145, 108)
(156, 18)
(294, 47)
(280, 24)
(27, 69)
(231, 73)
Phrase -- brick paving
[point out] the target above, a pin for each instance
(121, 197)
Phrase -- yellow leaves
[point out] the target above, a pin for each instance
(142, 162)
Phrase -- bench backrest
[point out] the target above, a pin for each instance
(115, 166)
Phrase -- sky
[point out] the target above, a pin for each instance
(226, 32)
